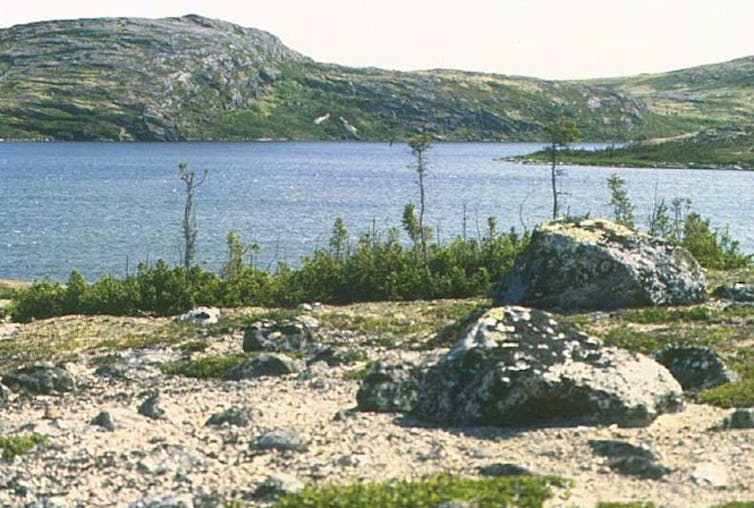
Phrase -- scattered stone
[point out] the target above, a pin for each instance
(517, 366)
(342, 415)
(313, 371)
(628, 459)
(165, 500)
(264, 365)
(42, 378)
(51, 413)
(639, 467)
(740, 418)
(276, 485)
(504, 469)
(738, 292)
(335, 356)
(151, 407)
(599, 265)
(112, 370)
(105, 420)
(277, 336)
(199, 316)
(171, 459)
(47, 502)
(619, 449)
(281, 440)
(696, 368)
(710, 475)
(234, 416)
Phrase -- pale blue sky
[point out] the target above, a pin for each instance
(544, 38)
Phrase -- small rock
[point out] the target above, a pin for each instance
(51, 413)
(391, 386)
(342, 415)
(151, 407)
(615, 449)
(711, 475)
(639, 467)
(275, 485)
(235, 416)
(740, 418)
(165, 500)
(504, 469)
(112, 370)
(40, 378)
(334, 356)
(281, 440)
(199, 316)
(4, 394)
(105, 420)
(264, 365)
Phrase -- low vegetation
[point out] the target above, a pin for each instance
(12, 446)
(722, 147)
(522, 491)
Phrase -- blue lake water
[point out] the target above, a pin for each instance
(99, 206)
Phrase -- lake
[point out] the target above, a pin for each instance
(102, 207)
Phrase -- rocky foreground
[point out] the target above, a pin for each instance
(205, 441)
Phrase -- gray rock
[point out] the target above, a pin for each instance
(517, 366)
(628, 459)
(276, 336)
(112, 370)
(504, 469)
(40, 378)
(639, 467)
(276, 485)
(151, 408)
(171, 460)
(619, 449)
(696, 368)
(599, 265)
(47, 502)
(335, 356)
(105, 420)
(281, 440)
(738, 292)
(264, 365)
(235, 416)
(740, 418)
(199, 316)
(390, 386)
(4, 394)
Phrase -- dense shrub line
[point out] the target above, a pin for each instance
(378, 267)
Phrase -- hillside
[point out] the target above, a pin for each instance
(195, 78)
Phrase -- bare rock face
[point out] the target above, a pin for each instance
(42, 378)
(696, 368)
(517, 366)
(599, 265)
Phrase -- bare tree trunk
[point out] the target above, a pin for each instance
(421, 210)
(553, 180)
(188, 176)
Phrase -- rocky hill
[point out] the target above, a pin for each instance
(197, 78)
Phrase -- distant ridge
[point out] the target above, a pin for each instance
(194, 78)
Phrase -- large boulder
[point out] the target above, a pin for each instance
(738, 292)
(696, 368)
(516, 366)
(43, 378)
(599, 265)
(264, 365)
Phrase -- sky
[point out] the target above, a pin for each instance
(554, 39)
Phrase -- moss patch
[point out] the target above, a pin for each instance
(12, 446)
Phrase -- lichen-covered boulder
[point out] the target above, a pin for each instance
(517, 366)
(738, 292)
(43, 378)
(264, 365)
(599, 265)
(277, 336)
(696, 368)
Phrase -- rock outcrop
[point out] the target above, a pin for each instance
(264, 365)
(599, 265)
(199, 316)
(517, 366)
(738, 292)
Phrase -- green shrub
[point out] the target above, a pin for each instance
(711, 248)
(521, 491)
(204, 368)
(730, 395)
(12, 446)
